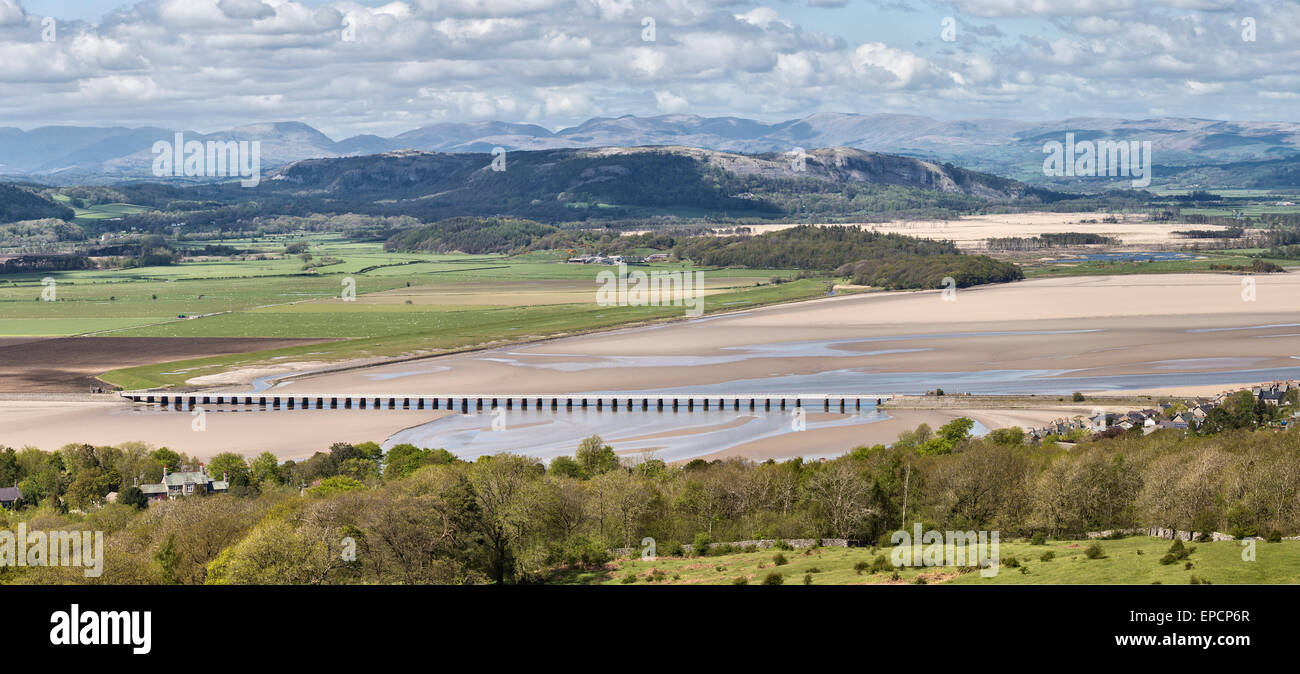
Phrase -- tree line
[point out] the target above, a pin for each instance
(412, 515)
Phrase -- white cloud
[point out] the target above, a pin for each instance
(666, 101)
(216, 63)
(11, 13)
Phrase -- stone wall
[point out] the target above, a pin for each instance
(760, 544)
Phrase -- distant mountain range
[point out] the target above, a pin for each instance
(1183, 148)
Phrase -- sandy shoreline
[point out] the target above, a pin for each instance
(1086, 326)
(288, 435)
(1089, 328)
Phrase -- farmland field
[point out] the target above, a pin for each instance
(403, 303)
(1133, 560)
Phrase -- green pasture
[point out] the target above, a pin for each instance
(1135, 560)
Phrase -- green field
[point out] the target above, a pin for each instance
(98, 212)
(1133, 560)
(447, 302)
(1238, 258)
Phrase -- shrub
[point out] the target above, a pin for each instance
(861, 566)
(1010, 562)
(881, 563)
(700, 546)
(1176, 553)
(1039, 538)
(782, 544)
(1077, 397)
(629, 579)
(779, 559)
(1047, 556)
(583, 551)
(740, 580)
(1274, 536)
(1094, 551)
(773, 578)
(814, 569)
(1187, 566)
(807, 579)
(919, 580)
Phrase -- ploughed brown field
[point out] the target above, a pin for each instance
(70, 364)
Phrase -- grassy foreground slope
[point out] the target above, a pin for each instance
(1133, 560)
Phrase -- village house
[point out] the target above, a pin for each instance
(184, 483)
(1196, 411)
(10, 497)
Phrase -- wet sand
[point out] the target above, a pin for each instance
(287, 434)
(1191, 325)
(1080, 327)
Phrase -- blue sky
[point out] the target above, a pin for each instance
(210, 64)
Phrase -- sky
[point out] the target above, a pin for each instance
(358, 67)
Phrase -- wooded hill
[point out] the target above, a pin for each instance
(603, 184)
(20, 202)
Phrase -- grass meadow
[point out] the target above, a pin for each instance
(1134, 560)
(404, 303)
